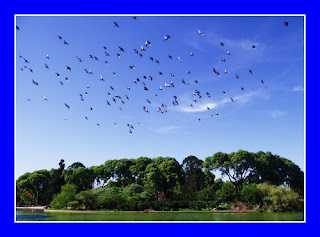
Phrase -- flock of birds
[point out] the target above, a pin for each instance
(117, 99)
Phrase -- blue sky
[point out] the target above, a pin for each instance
(259, 118)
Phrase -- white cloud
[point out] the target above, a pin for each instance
(277, 113)
(297, 88)
(205, 104)
(170, 129)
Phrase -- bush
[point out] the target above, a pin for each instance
(251, 195)
(65, 198)
(279, 199)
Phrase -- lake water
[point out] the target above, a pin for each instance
(123, 216)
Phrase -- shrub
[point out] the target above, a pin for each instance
(65, 198)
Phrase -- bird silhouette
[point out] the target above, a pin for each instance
(286, 23)
(121, 49)
(116, 24)
(68, 107)
(166, 37)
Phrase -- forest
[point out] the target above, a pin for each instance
(260, 181)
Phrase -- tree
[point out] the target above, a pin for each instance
(164, 175)
(56, 181)
(81, 177)
(123, 174)
(236, 166)
(65, 198)
(35, 183)
(194, 177)
(277, 171)
(251, 195)
(75, 166)
(138, 168)
(227, 193)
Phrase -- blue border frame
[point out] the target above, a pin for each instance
(163, 7)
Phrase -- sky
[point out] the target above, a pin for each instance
(267, 115)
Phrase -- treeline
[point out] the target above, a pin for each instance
(258, 180)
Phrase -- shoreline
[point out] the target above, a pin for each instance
(42, 208)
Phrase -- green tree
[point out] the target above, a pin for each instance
(66, 198)
(164, 175)
(227, 193)
(194, 177)
(236, 166)
(279, 199)
(34, 183)
(81, 177)
(138, 168)
(251, 195)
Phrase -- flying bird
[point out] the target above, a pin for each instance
(116, 24)
(166, 37)
(199, 32)
(286, 23)
(67, 105)
(121, 49)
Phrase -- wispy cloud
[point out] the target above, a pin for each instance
(205, 104)
(297, 88)
(169, 129)
(277, 113)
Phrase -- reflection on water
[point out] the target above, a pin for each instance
(123, 216)
(31, 216)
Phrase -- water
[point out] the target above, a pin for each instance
(140, 216)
